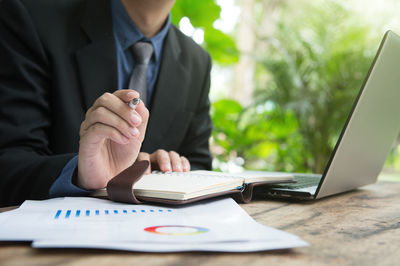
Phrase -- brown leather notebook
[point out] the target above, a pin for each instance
(132, 186)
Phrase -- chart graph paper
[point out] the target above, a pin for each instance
(76, 213)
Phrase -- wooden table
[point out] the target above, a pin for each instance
(357, 228)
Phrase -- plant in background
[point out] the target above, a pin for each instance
(316, 64)
(266, 137)
(202, 14)
(307, 77)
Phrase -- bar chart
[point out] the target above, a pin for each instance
(77, 213)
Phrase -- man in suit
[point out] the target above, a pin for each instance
(65, 129)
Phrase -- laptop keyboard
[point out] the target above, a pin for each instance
(302, 181)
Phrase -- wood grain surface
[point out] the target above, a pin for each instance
(361, 227)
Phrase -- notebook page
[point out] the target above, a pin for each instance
(181, 186)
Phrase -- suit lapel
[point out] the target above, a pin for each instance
(169, 93)
(97, 62)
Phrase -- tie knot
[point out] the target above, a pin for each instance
(142, 52)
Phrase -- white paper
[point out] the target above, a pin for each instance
(94, 223)
(240, 246)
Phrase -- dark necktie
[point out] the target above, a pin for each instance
(142, 52)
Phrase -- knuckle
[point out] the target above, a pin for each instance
(88, 112)
(173, 154)
(104, 99)
(164, 158)
(107, 95)
(82, 128)
(98, 113)
(95, 127)
(114, 134)
(99, 102)
(121, 124)
(160, 151)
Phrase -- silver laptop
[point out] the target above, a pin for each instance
(367, 136)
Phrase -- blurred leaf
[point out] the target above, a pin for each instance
(221, 47)
(202, 14)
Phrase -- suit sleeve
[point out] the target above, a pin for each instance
(196, 143)
(28, 166)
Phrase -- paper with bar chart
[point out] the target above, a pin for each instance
(90, 222)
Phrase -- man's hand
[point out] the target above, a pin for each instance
(110, 138)
(165, 161)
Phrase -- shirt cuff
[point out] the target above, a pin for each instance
(63, 185)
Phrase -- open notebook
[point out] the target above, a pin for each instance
(181, 188)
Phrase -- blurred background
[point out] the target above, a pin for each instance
(285, 75)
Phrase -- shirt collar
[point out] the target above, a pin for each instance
(127, 33)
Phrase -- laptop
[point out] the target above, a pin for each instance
(366, 138)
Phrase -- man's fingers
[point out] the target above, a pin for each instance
(127, 95)
(104, 116)
(143, 156)
(110, 137)
(118, 106)
(99, 132)
(185, 164)
(112, 110)
(169, 161)
(176, 162)
(161, 158)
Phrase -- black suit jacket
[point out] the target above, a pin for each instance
(56, 58)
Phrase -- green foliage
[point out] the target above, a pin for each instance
(202, 14)
(316, 64)
(221, 47)
(307, 79)
(259, 134)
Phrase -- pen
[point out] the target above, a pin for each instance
(134, 103)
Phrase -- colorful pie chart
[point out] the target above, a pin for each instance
(176, 230)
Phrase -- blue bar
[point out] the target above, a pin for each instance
(133, 210)
(125, 211)
(143, 211)
(160, 210)
(78, 212)
(58, 214)
(97, 212)
(169, 210)
(67, 214)
(87, 212)
(106, 212)
(151, 210)
(116, 211)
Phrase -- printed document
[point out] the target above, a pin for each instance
(95, 223)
